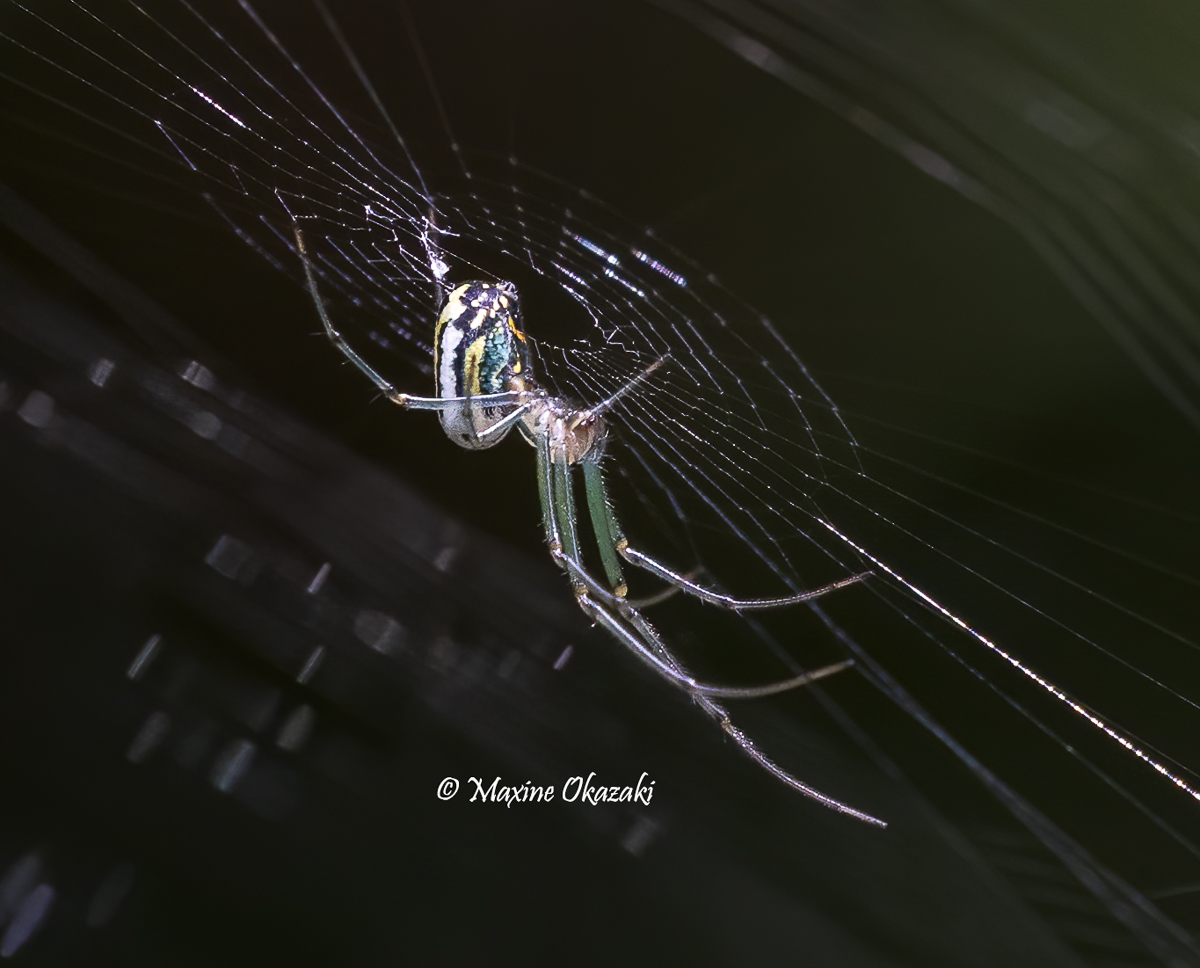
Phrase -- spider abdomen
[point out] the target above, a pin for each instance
(479, 350)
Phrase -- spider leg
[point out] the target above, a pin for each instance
(449, 403)
(670, 591)
(657, 598)
(630, 385)
(502, 426)
(402, 399)
(558, 516)
(722, 717)
(604, 523)
(655, 653)
(601, 602)
(636, 634)
(646, 643)
(335, 337)
(659, 570)
(612, 542)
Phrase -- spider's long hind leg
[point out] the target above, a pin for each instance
(719, 714)
(628, 626)
(558, 514)
(614, 546)
(662, 661)
(604, 524)
(644, 642)
(659, 570)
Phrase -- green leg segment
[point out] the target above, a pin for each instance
(608, 532)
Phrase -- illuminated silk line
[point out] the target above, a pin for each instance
(1048, 686)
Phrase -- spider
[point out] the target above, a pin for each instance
(486, 386)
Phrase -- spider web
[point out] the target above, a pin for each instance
(976, 624)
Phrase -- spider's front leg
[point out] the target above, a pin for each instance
(481, 433)
(335, 337)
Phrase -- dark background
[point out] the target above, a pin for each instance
(222, 805)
